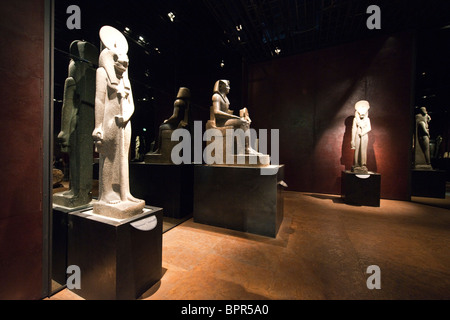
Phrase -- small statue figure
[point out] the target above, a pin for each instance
(361, 128)
(114, 107)
(178, 120)
(422, 141)
(222, 117)
(77, 123)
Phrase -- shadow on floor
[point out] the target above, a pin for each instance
(334, 198)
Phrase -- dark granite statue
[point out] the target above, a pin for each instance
(77, 123)
(422, 141)
(178, 120)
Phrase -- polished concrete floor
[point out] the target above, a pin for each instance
(322, 252)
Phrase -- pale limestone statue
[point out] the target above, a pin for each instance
(178, 120)
(223, 118)
(422, 141)
(361, 128)
(77, 123)
(114, 107)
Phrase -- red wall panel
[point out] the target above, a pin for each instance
(21, 132)
(310, 98)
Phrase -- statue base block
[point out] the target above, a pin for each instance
(361, 189)
(121, 210)
(64, 199)
(239, 198)
(428, 183)
(251, 160)
(59, 240)
(118, 259)
(167, 186)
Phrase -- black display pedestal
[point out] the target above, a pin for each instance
(118, 259)
(361, 189)
(428, 183)
(167, 186)
(239, 198)
(59, 242)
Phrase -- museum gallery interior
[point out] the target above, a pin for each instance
(225, 150)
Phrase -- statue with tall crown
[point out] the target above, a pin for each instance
(114, 107)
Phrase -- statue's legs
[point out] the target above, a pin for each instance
(425, 146)
(357, 162)
(163, 127)
(125, 184)
(364, 144)
(245, 126)
(109, 186)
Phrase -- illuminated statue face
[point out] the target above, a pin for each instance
(225, 87)
(362, 108)
(120, 64)
(117, 46)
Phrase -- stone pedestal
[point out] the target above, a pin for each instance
(428, 183)
(361, 189)
(118, 259)
(167, 186)
(59, 241)
(165, 153)
(239, 198)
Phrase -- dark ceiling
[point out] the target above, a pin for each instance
(254, 29)
(295, 26)
(205, 33)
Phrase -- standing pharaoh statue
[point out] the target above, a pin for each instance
(360, 129)
(422, 141)
(77, 123)
(114, 107)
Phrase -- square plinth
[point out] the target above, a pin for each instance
(59, 240)
(361, 189)
(239, 198)
(167, 186)
(118, 259)
(428, 183)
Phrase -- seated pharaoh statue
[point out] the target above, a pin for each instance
(178, 120)
(114, 107)
(236, 127)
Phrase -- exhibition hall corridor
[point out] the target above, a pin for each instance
(322, 252)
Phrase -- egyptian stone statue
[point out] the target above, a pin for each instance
(223, 118)
(77, 123)
(422, 141)
(360, 129)
(178, 120)
(114, 107)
